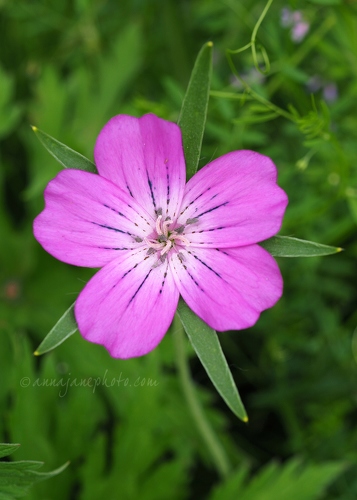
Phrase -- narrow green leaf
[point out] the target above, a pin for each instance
(285, 246)
(64, 328)
(17, 477)
(206, 344)
(7, 449)
(65, 155)
(194, 109)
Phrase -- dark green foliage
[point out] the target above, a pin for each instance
(17, 477)
(67, 67)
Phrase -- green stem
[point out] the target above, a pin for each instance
(212, 442)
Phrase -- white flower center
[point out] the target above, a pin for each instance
(166, 237)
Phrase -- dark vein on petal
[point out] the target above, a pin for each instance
(164, 279)
(112, 248)
(204, 263)
(112, 228)
(212, 209)
(190, 275)
(129, 271)
(193, 201)
(208, 230)
(141, 217)
(116, 211)
(168, 186)
(151, 191)
(135, 294)
(222, 251)
(131, 194)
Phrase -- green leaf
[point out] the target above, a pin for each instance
(285, 246)
(17, 477)
(206, 344)
(65, 155)
(7, 449)
(292, 480)
(64, 328)
(194, 109)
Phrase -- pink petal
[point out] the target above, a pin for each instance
(88, 221)
(236, 201)
(227, 288)
(145, 157)
(128, 305)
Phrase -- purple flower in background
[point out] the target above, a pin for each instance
(295, 21)
(299, 31)
(330, 92)
(156, 237)
(329, 89)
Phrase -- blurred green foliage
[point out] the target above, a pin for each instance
(67, 67)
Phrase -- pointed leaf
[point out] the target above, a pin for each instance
(206, 344)
(65, 155)
(64, 328)
(285, 246)
(6, 449)
(17, 477)
(194, 109)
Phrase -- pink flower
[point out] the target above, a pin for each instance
(295, 21)
(156, 237)
(299, 31)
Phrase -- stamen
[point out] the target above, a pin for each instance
(166, 239)
(165, 226)
(167, 247)
(181, 238)
(154, 244)
(158, 225)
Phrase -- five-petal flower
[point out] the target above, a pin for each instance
(156, 237)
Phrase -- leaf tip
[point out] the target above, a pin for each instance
(35, 129)
(339, 249)
(209, 44)
(37, 353)
(245, 419)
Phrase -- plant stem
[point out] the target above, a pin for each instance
(208, 435)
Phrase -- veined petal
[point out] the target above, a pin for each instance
(227, 288)
(145, 157)
(88, 221)
(128, 305)
(234, 200)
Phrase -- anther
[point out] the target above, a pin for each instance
(192, 221)
(167, 247)
(181, 257)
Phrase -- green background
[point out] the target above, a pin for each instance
(67, 67)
